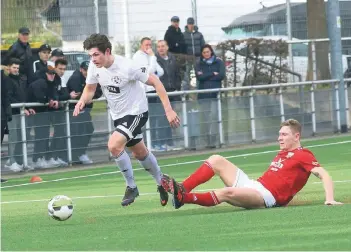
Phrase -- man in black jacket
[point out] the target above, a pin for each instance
(17, 94)
(42, 62)
(175, 37)
(22, 51)
(42, 90)
(5, 109)
(57, 156)
(82, 126)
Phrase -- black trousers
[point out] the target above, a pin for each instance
(41, 125)
(58, 143)
(82, 129)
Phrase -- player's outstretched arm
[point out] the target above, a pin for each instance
(161, 91)
(87, 96)
(327, 181)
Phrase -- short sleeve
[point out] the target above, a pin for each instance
(91, 75)
(308, 161)
(139, 73)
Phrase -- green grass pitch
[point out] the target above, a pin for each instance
(99, 222)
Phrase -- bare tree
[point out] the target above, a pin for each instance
(317, 28)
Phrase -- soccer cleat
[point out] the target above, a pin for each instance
(163, 195)
(165, 182)
(178, 194)
(129, 196)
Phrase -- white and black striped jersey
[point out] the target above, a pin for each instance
(122, 85)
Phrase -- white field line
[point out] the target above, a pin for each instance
(170, 165)
(121, 195)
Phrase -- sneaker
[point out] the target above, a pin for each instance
(129, 196)
(61, 162)
(52, 163)
(163, 195)
(15, 167)
(38, 164)
(85, 159)
(172, 148)
(3, 180)
(178, 194)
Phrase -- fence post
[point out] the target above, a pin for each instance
(252, 116)
(185, 122)
(220, 123)
(109, 126)
(148, 134)
(281, 103)
(68, 132)
(337, 107)
(313, 110)
(24, 136)
(347, 109)
(313, 105)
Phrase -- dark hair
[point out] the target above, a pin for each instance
(100, 41)
(14, 61)
(60, 62)
(144, 39)
(209, 47)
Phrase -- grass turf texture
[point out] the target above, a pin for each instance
(102, 224)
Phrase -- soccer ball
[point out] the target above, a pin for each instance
(60, 208)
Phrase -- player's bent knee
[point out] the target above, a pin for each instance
(115, 149)
(215, 161)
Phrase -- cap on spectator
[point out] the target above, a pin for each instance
(190, 21)
(50, 70)
(23, 30)
(175, 19)
(85, 65)
(45, 47)
(57, 52)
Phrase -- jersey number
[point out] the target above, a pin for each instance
(113, 89)
(143, 69)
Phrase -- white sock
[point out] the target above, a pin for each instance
(125, 166)
(150, 164)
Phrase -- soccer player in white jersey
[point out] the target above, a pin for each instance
(122, 81)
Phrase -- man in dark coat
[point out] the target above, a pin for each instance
(82, 127)
(22, 51)
(175, 37)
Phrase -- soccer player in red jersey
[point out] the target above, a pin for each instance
(286, 176)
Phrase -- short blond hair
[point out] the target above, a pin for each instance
(294, 125)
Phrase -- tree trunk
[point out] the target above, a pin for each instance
(317, 28)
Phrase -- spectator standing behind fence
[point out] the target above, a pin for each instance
(210, 71)
(43, 91)
(172, 82)
(175, 37)
(57, 156)
(17, 89)
(145, 57)
(194, 41)
(42, 62)
(22, 51)
(82, 127)
(5, 109)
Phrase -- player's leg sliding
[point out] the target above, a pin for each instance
(125, 165)
(150, 164)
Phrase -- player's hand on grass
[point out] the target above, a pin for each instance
(332, 202)
(173, 118)
(79, 107)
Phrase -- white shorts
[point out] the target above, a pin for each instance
(243, 181)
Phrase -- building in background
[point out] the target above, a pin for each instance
(271, 21)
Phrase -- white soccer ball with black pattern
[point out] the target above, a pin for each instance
(60, 207)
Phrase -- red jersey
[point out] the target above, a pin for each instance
(288, 173)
